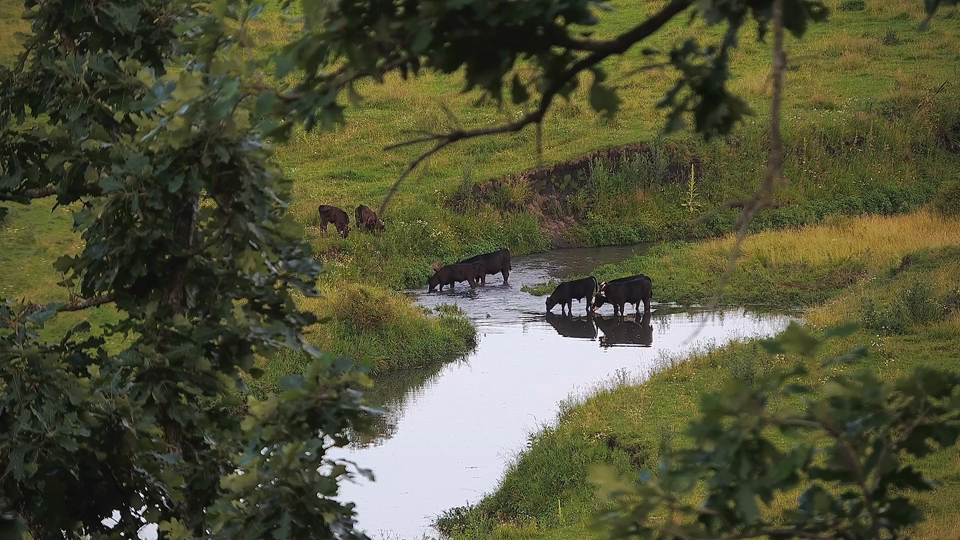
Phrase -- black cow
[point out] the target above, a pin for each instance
(339, 218)
(619, 294)
(603, 284)
(568, 291)
(626, 332)
(496, 262)
(368, 219)
(453, 273)
(580, 327)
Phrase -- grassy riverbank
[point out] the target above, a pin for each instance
(905, 296)
(380, 329)
(786, 268)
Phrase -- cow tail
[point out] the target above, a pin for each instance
(509, 267)
(596, 285)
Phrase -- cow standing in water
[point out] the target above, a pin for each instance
(339, 218)
(452, 273)
(603, 285)
(633, 292)
(567, 292)
(368, 219)
(494, 263)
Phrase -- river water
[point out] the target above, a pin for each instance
(452, 431)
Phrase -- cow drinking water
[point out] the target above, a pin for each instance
(339, 218)
(568, 291)
(496, 262)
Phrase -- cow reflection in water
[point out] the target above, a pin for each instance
(637, 331)
(573, 327)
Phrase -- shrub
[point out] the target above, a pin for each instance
(885, 320)
(852, 5)
(947, 200)
(744, 369)
(921, 304)
(891, 38)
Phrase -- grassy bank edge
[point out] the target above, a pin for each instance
(545, 493)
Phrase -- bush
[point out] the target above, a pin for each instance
(951, 301)
(921, 304)
(947, 200)
(885, 320)
(852, 5)
(891, 38)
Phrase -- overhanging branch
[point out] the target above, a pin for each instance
(48, 191)
(601, 50)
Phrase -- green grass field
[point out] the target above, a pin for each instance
(909, 312)
(862, 115)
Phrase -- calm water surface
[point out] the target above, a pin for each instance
(453, 430)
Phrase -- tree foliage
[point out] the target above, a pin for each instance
(152, 121)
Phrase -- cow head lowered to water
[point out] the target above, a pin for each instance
(568, 291)
(453, 273)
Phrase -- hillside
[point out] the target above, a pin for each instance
(870, 105)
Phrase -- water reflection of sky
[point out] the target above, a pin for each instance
(450, 436)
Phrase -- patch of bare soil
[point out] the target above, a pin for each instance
(551, 187)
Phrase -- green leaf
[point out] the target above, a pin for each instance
(747, 503)
(841, 331)
(795, 339)
(174, 529)
(604, 100)
(518, 92)
(12, 527)
(422, 39)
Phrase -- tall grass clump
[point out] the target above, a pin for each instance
(947, 201)
(380, 329)
(790, 267)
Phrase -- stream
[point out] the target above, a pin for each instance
(452, 431)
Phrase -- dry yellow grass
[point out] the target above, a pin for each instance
(879, 241)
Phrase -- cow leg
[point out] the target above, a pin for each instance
(483, 278)
(586, 308)
(506, 274)
(472, 282)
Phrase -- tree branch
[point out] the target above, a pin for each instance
(76, 305)
(89, 302)
(213, 238)
(601, 51)
(48, 191)
(763, 197)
